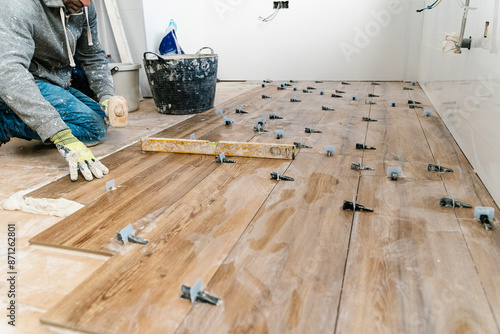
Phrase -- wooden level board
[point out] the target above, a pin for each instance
(137, 290)
(409, 269)
(230, 149)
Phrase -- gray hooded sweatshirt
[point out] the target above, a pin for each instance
(38, 40)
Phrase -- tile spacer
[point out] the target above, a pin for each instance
(354, 97)
(264, 96)
(294, 99)
(393, 103)
(278, 176)
(263, 84)
(127, 235)
(306, 91)
(227, 120)
(427, 112)
(261, 121)
(318, 81)
(394, 173)
(330, 150)
(280, 134)
(373, 95)
(375, 83)
(295, 88)
(110, 185)
(195, 294)
(414, 106)
(485, 216)
(193, 136)
(219, 111)
(322, 92)
(326, 108)
(368, 119)
(241, 111)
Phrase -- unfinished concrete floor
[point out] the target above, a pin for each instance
(284, 257)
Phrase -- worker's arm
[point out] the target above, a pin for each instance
(17, 86)
(93, 59)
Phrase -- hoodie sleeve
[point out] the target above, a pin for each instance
(92, 56)
(17, 86)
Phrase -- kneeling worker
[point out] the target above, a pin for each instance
(39, 41)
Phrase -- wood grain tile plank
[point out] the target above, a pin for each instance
(484, 246)
(137, 291)
(285, 273)
(409, 269)
(138, 201)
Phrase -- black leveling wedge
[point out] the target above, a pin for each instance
(368, 119)
(360, 146)
(311, 130)
(350, 206)
(485, 220)
(339, 91)
(360, 166)
(301, 145)
(221, 158)
(201, 297)
(450, 203)
(278, 176)
(438, 168)
(337, 96)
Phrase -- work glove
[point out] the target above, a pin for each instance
(78, 156)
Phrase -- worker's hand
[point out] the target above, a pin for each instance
(78, 156)
(116, 109)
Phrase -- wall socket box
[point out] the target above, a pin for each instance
(284, 4)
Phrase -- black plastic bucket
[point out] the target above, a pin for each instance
(182, 84)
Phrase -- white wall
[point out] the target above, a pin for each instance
(313, 39)
(465, 88)
(131, 13)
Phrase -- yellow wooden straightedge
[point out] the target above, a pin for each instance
(231, 149)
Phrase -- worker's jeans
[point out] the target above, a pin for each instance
(82, 115)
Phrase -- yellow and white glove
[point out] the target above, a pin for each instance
(78, 156)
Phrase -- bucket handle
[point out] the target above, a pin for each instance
(205, 47)
(154, 54)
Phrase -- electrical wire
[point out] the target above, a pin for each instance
(434, 5)
(272, 16)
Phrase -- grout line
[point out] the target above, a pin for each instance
(351, 231)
